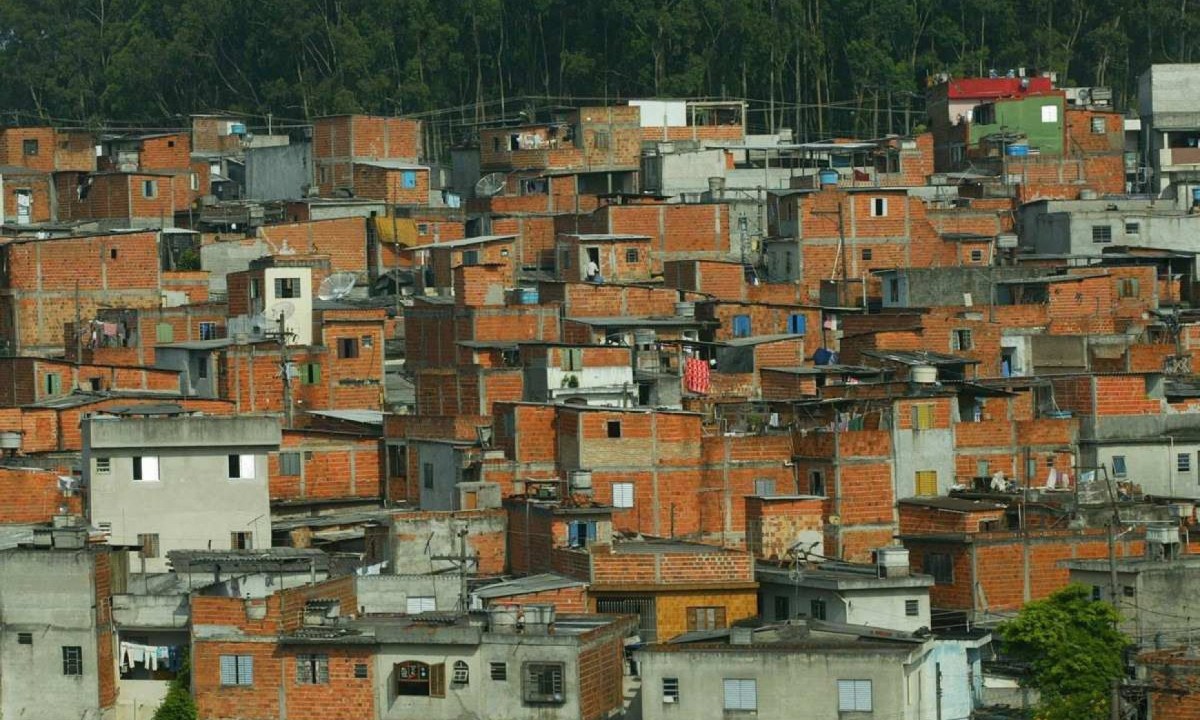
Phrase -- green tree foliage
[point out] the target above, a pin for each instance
(1074, 652)
(178, 704)
(819, 66)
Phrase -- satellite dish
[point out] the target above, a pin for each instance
(489, 185)
(286, 308)
(336, 286)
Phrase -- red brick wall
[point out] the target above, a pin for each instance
(35, 185)
(165, 152)
(591, 300)
(105, 662)
(108, 196)
(535, 238)
(486, 533)
(1174, 679)
(1003, 565)
(694, 132)
(334, 466)
(601, 676)
(57, 151)
(344, 240)
(670, 568)
(443, 260)
(339, 140)
(564, 600)
(113, 270)
(772, 525)
(33, 496)
(387, 184)
(916, 519)
(764, 319)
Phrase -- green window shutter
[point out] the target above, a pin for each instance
(165, 333)
(312, 374)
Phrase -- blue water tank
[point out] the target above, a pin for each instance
(528, 295)
(1018, 150)
(828, 177)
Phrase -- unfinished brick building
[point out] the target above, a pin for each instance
(341, 142)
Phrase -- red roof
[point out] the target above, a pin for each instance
(990, 88)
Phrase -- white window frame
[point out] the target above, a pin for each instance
(670, 690)
(622, 493)
(245, 470)
(855, 696)
(148, 465)
(879, 207)
(740, 694)
(416, 604)
(236, 670)
(1049, 113)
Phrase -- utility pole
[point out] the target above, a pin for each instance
(1113, 523)
(1114, 702)
(461, 560)
(842, 295)
(285, 371)
(841, 226)
(78, 327)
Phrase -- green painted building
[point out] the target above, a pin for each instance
(1040, 118)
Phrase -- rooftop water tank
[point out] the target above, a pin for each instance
(924, 374)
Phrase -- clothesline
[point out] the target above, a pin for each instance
(152, 657)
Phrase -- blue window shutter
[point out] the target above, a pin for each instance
(797, 324)
(741, 325)
(410, 179)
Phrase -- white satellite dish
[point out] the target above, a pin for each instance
(490, 184)
(286, 308)
(336, 286)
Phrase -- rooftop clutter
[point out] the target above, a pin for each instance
(626, 385)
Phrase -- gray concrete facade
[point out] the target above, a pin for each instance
(187, 493)
(1169, 106)
(1086, 227)
(898, 603)
(899, 681)
(279, 173)
(49, 597)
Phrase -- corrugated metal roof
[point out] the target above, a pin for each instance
(526, 585)
(366, 417)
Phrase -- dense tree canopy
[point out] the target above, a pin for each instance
(815, 65)
(1074, 651)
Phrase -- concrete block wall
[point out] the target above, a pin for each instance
(773, 525)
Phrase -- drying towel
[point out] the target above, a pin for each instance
(696, 376)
